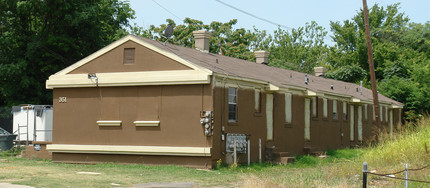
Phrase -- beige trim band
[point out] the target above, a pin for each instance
(109, 123)
(131, 150)
(129, 79)
(147, 123)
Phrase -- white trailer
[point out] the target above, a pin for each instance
(32, 123)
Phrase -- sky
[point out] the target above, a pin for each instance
(289, 13)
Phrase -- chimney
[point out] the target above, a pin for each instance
(201, 39)
(320, 71)
(262, 57)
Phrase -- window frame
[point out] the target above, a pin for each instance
(334, 110)
(314, 107)
(234, 103)
(257, 99)
(288, 108)
(129, 52)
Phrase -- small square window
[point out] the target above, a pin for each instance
(129, 56)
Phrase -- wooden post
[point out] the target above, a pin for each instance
(364, 174)
(406, 175)
(235, 154)
(371, 68)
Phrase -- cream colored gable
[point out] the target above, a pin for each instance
(65, 78)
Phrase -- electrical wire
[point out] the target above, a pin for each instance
(182, 20)
(252, 15)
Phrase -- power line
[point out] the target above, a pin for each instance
(182, 20)
(262, 19)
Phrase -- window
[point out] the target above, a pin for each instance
(288, 107)
(257, 100)
(314, 107)
(128, 56)
(334, 109)
(325, 108)
(345, 114)
(232, 104)
(365, 111)
(386, 113)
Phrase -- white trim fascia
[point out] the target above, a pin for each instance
(138, 41)
(293, 87)
(272, 88)
(241, 78)
(109, 123)
(336, 95)
(147, 123)
(355, 100)
(309, 93)
(396, 106)
(130, 150)
(130, 79)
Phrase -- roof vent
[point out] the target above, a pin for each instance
(262, 57)
(306, 79)
(201, 39)
(331, 87)
(320, 71)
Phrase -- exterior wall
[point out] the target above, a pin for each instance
(144, 60)
(289, 137)
(176, 107)
(248, 121)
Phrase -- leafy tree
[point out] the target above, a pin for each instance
(348, 73)
(301, 49)
(39, 38)
(233, 42)
(386, 26)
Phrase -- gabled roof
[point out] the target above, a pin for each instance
(279, 77)
(205, 64)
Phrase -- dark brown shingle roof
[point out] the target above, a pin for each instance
(277, 76)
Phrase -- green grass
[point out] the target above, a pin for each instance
(343, 168)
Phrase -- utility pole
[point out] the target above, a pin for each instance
(371, 68)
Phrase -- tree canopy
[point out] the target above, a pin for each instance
(39, 38)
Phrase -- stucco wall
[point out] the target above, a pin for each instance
(176, 107)
(145, 60)
(248, 121)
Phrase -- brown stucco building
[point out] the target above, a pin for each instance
(140, 101)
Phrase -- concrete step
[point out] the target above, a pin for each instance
(323, 156)
(309, 149)
(281, 154)
(285, 160)
(317, 153)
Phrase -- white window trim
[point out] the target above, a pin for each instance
(109, 123)
(325, 108)
(235, 103)
(335, 109)
(257, 100)
(146, 123)
(288, 103)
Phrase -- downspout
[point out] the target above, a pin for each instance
(26, 141)
(34, 125)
